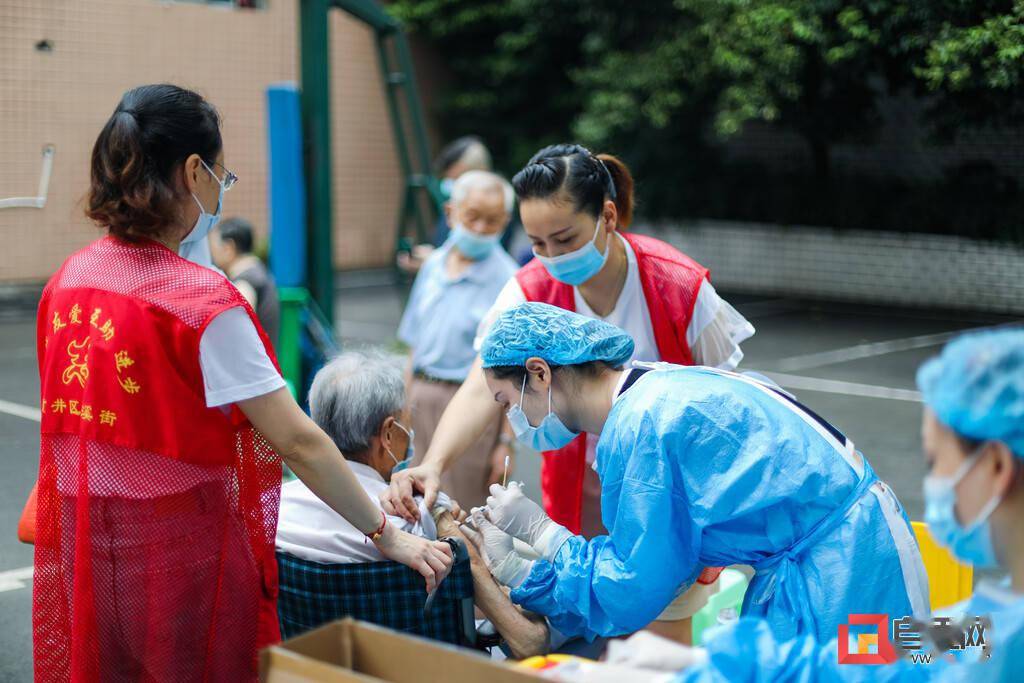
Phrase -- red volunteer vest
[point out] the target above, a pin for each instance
(154, 554)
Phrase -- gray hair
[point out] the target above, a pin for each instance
(353, 394)
(472, 180)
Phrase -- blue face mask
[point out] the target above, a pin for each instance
(410, 450)
(206, 221)
(972, 543)
(552, 433)
(473, 246)
(578, 266)
(446, 186)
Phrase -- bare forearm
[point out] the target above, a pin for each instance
(468, 414)
(525, 637)
(325, 471)
(312, 456)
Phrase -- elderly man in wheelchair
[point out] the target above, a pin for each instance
(326, 568)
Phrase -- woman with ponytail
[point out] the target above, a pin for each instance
(164, 423)
(575, 208)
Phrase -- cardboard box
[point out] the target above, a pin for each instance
(350, 651)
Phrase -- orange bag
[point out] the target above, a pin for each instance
(27, 523)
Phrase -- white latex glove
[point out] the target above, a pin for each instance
(511, 511)
(497, 549)
(645, 650)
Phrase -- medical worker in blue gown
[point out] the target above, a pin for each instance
(973, 432)
(699, 467)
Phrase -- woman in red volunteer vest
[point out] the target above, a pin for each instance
(164, 422)
(574, 207)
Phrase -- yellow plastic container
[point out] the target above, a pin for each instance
(949, 581)
(542, 662)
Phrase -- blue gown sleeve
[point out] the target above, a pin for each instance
(747, 651)
(618, 584)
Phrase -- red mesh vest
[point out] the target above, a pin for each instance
(154, 555)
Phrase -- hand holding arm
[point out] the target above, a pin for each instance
(464, 420)
(511, 511)
(314, 459)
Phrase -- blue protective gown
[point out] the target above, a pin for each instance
(748, 651)
(703, 468)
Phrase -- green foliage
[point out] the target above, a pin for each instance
(975, 63)
(664, 82)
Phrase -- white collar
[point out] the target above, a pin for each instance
(362, 470)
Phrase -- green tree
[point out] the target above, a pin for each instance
(974, 65)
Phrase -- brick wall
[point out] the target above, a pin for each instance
(869, 267)
(102, 47)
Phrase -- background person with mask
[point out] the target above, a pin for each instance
(973, 435)
(164, 422)
(454, 289)
(468, 153)
(698, 467)
(231, 247)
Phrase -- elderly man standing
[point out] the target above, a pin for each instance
(453, 291)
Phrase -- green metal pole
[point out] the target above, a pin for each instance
(394, 79)
(419, 130)
(316, 124)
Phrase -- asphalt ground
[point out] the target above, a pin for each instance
(853, 365)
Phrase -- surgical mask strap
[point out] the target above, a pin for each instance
(220, 196)
(397, 461)
(522, 393)
(408, 432)
(958, 476)
(202, 209)
(966, 466)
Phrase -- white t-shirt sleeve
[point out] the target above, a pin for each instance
(510, 295)
(234, 361)
(716, 331)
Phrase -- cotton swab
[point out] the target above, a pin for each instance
(504, 477)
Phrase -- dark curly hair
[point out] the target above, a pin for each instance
(151, 132)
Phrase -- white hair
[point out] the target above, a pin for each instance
(473, 180)
(353, 394)
(476, 156)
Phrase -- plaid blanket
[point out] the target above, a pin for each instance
(385, 593)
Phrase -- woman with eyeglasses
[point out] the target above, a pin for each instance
(164, 424)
